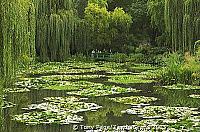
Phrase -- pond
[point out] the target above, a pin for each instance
(92, 95)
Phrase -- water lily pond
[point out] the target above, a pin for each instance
(80, 96)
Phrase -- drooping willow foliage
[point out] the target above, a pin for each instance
(182, 20)
(59, 30)
(17, 33)
(191, 23)
(1, 104)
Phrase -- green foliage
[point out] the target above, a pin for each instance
(107, 27)
(133, 100)
(156, 12)
(80, 57)
(98, 19)
(148, 54)
(120, 20)
(119, 57)
(182, 25)
(171, 72)
(138, 10)
(17, 36)
(176, 23)
(26, 61)
(55, 28)
(181, 69)
(102, 3)
(103, 90)
(126, 79)
(136, 57)
(1, 104)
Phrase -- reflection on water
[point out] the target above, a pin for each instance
(110, 114)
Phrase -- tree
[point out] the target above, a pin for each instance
(156, 13)
(101, 3)
(98, 19)
(182, 24)
(107, 27)
(17, 34)
(120, 23)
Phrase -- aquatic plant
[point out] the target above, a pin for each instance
(168, 124)
(47, 117)
(70, 77)
(195, 96)
(72, 67)
(103, 91)
(63, 104)
(58, 106)
(134, 99)
(141, 67)
(7, 104)
(181, 86)
(16, 90)
(163, 112)
(56, 110)
(125, 79)
(72, 86)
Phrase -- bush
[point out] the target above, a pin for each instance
(119, 57)
(25, 61)
(169, 74)
(149, 55)
(137, 58)
(179, 69)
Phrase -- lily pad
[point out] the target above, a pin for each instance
(134, 99)
(72, 86)
(16, 90)
(63, 104)
(154, 112)
(141, 67)
(182, 86)
(48, 117)
(103, 91)
(125, 79)
(195, 96)
(70, 77)
(7, 104)
(187, 124)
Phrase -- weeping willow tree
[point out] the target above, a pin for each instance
(17, 36)
(17, 41)
(58, 30)
(191, 23)
(82, 38)
(1, 104)
(1, 68)
(182, 20)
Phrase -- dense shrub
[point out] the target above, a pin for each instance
(147, 54)
(137, 58)
(119, 57)
(180, 69)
